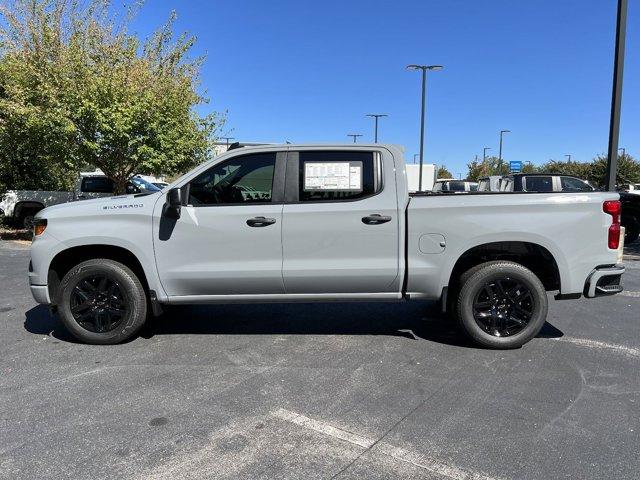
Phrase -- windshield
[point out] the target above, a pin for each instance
(142, 184)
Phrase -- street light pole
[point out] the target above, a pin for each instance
(568, 155)
(624, 151)
(354, 136)
(376, 116)
(502, 132)
(414, 157)
(227, 139)
(484, 153)
(424, 69)
(616, 96)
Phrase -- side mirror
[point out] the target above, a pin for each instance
(173, 206)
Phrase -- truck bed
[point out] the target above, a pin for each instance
(562, 223)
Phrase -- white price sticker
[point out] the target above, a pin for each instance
(338, 176)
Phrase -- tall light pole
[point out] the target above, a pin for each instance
(376, 116)
(624, 151)
(227, 139)
(502, 132)
(354, 136)
(414, 157)
(424, 69)
(616, 95)
(484, 153)
(568, 155)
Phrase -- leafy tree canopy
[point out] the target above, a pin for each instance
(443, 172)
(78, 90)
(594, 171)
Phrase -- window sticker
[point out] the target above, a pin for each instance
(333, 176)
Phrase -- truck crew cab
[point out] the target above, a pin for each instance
(307, 223)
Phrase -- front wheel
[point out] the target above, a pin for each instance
(501, 304)
(102, 301)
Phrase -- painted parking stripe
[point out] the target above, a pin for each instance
(430, 464)
(322, 427)
(416, 459)
(598, 345)
(630, 294)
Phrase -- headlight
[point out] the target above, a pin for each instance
(39, 226)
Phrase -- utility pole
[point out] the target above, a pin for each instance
(376, 116)
(484, 153)
(227, 139)
(502, 132)
(354, 136)
(616, 96)
(424, 69)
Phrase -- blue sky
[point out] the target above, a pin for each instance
(308, 71)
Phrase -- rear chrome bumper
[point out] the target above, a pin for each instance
(604, 281)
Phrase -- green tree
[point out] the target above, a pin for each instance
(577, 169)
(528, 167)
(77, 89)
(487, 167)
(443, 172)
(628, 170)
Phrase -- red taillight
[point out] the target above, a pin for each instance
(613, 208)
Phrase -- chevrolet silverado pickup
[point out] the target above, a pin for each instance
(309, 223)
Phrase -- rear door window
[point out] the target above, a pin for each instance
(538, 184)
(334, 176)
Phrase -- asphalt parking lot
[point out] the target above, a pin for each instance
(318, 391)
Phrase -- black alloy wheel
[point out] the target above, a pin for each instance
(501, 304)
(98, 303)
(503, 307)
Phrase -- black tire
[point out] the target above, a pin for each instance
(102, 301)
(514, 315)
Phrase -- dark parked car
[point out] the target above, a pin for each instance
(630, 216)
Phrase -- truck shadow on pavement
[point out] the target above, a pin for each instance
(415, 321)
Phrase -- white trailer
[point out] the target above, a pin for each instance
(428, 176)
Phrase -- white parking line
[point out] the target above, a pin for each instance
(323, 428)
(624, 293)
(584, 342)
(416, 459)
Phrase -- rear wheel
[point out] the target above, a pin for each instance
(501, 304)
(102, 301)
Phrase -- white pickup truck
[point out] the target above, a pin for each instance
(20, 206)
(309, 223)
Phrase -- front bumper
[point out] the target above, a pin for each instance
(604, 281)
(40, 294)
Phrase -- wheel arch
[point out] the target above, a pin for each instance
(533, 256)
(66, 259)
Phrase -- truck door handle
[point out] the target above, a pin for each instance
(260, 221)
(375, 219)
